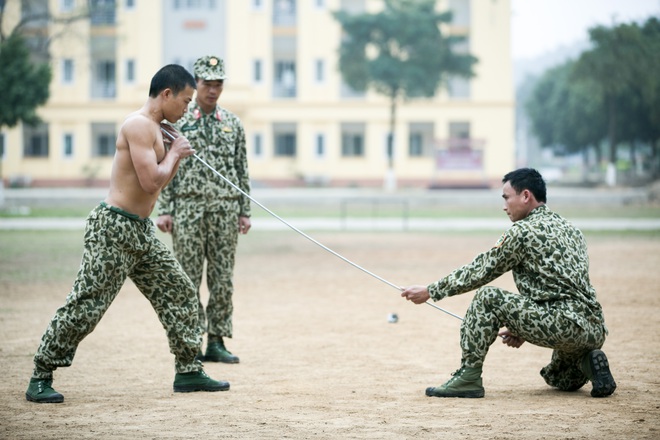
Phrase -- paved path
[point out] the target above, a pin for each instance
(343, 199)
(361, 224)
(487, 197)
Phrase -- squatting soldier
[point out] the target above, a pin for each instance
(556, 308)
(120, 242)
(203, 212)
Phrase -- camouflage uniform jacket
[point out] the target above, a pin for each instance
(218, 139)
(550, 264)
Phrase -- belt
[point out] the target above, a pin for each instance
(123, 213)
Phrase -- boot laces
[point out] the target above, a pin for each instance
(42, 385)
(456, 375)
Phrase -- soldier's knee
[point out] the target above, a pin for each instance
(487, 294)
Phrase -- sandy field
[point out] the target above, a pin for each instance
(319, 359)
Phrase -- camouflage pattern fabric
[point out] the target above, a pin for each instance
(210, 68)
(205, 208)
(117, 247)
(210, 235)
(556, 306)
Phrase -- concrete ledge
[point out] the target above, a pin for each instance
(361, 224)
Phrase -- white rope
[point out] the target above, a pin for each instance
(357, 266)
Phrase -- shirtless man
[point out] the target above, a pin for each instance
(120, 243)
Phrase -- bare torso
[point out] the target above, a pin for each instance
(142, 166)
(126, 191)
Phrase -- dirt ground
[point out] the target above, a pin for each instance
(319, 359)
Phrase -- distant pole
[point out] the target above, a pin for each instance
(2, 153)
(390, 178)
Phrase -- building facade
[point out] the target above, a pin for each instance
(304, 126)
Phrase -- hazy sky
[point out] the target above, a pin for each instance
(538, 26)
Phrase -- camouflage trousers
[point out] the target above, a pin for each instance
(200, 235)
(118, 245)
(545, 325)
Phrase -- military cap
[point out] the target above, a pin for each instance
(209, 68)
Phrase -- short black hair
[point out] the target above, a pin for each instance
(527, 179)
(172, 77)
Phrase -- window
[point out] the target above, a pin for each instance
(34, 12)
(258, 145)
(285, 79)
(105, 145)
(284, 12)
(257, 5)
(194, 4)
(103, 84)
(67, 145)
(319, 70)
(284, 66)
(459, 134)
(67, 71)
(130, 4)
(460, 151)
(420, 142)
(353, 6)
(67, 5)
(416, 145)
(457, 87)
(285, 139)
(102, 12)
(37, 43)
(460, 12)
(320, 145)
(258, 74)
(130, 71)
(2, 146)
(352, 139)
(35, 140)
(103, 140)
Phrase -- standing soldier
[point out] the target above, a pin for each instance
(120, 242)
(204, 213)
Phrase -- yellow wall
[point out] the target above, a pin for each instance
(318, 108)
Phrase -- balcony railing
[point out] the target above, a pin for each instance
(102, 12)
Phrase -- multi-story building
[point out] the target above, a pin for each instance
(304, 125)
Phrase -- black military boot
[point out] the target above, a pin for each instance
(41, 391)
(217, 352)
(596, 367)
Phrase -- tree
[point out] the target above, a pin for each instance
(24, 84)
(25, 73)
(400, 52)
(24, 80)
(650, 95)
(566, 114)
(611, 92)
(620, 66)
